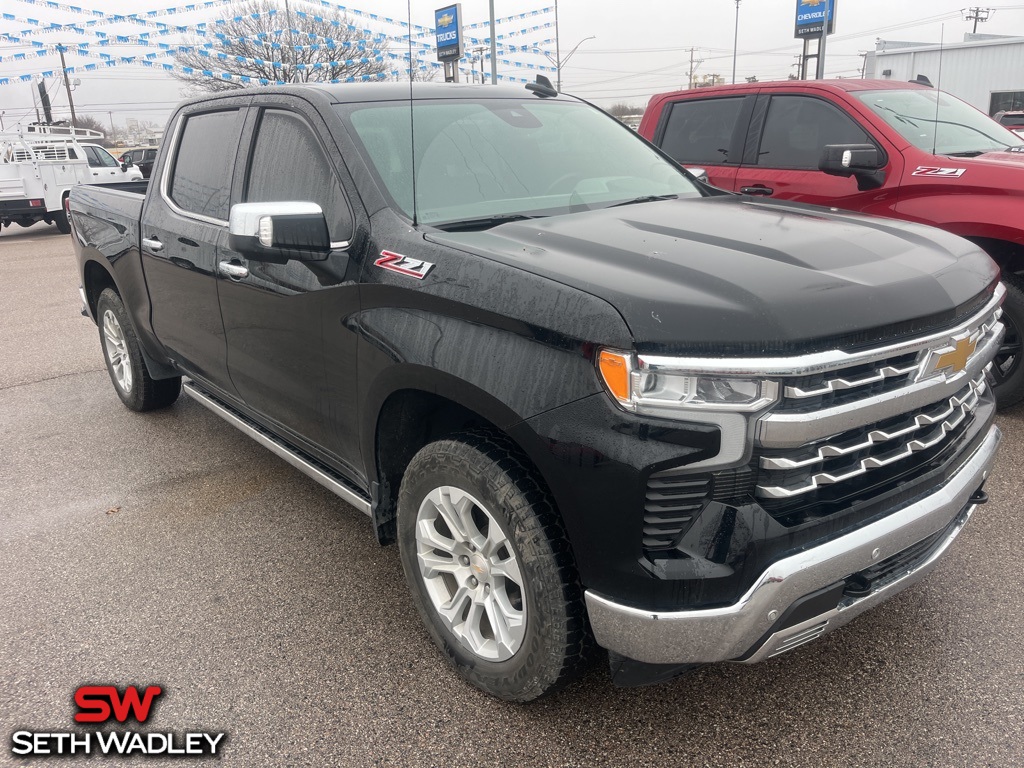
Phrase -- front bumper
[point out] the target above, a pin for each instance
(756, 626)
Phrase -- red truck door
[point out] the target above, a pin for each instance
(787, 135)
(704, 133)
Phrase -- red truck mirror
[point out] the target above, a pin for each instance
(861, 160)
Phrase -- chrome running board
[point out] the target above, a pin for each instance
(304, 464)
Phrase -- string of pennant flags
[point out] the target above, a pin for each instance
(220, 75)
(209, 49)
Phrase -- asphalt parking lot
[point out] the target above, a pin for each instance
(170, 549)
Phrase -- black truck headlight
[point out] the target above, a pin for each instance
(661, 387)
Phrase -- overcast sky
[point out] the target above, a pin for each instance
(640, 47)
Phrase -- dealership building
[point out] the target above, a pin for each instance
(984, 70)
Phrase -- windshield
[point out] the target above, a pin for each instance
(493, 160)
(939, 123)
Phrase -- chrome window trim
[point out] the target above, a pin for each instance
(819, 362)
(165, 176)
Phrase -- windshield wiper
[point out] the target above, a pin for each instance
(969, 153)
(643, 199)
(484, 222)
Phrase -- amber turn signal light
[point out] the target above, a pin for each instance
(615, 368)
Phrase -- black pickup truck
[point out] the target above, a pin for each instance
(590, 398)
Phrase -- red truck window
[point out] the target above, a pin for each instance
(699, 132)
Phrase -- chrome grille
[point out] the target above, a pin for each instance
(791, 474)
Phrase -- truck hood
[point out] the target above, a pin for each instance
(728, 275)
(1012, 162)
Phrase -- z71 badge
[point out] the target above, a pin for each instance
(930, 170)
(404, 265)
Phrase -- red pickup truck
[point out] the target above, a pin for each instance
(894, 149)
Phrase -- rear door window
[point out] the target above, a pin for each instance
(201, 180)
(700, 131)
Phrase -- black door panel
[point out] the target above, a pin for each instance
(183, 224)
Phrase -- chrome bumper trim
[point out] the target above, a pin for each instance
(722, 634)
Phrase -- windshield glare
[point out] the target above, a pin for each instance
(504, 157)
(947, 128)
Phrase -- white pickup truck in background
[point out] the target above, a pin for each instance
(40, 163)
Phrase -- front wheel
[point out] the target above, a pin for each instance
(123, 355)
(489, 567)
(1007, 368)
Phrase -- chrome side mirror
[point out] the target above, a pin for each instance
(279, 231)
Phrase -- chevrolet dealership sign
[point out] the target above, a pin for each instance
(810, 16)
(448, 32)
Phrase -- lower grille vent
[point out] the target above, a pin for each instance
(673, 501)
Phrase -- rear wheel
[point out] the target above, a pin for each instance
(489, 567)
(1007, 369)
(121, 351)
(60, 219)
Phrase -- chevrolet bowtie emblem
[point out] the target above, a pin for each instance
(957, 359)
(811, 3)
(447, 19)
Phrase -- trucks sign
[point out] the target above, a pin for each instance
(810, 16)
(448, 32)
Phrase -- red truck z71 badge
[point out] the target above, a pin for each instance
(929, 170)
(404, 265)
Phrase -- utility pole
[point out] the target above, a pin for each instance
(977, 14)
(694, 63)
(112, 129)
(735, 41)
(480, 57)
(67, 85)
(290, 76)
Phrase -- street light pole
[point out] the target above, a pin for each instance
(494, 51)
(735, 41)
(559, 63)
(558, 51)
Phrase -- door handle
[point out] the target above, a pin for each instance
(153, 244)
(759, 190)
(234, 271)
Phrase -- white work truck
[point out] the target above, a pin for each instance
(40, 163)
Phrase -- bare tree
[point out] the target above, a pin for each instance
(244, 47)
(622, 109)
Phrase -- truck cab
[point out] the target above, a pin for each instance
(917, 154)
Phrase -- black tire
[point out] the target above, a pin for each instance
(128, 373)
(60, 218)
(555, 638)
(1008, 369)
